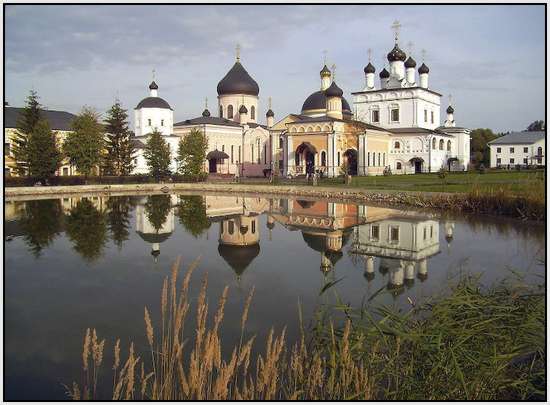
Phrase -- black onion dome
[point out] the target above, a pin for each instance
(410, 63)
(334, 91)
(243, 110)
(325, 71)
(396, 54)
(423, 69)
(153, 102)
(239, 257)
(153, 86)
(238, 81)
(318, 101)
(270, 113)
(369, 68)
(450, 110)
(206, 113)
(384, 74)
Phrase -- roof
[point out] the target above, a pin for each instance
(519, 138)
(410, 63)
(325, 118)
(396, 88)
(396, 54)
(450, 110)
(334, 91)
(238, 81)
(369, 68)
(270, 113)
(58, 120)
(423, 69)
(154, 237)
(239, 257)
(384, 74)
(325, 71)
(318, 101)
(208, 121)
(153, 102)
(136, 143)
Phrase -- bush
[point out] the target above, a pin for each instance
(387, 171)
(442, 173)
(482, 169)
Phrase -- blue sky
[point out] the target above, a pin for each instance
(490, 58)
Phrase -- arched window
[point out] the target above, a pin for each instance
(230, 112)
(297, 158)
(221, 111)
(396, 145)
(539, 155)
(338, 158)
(253, 227)
(441, 144)
(252, 113)
(448, 146)
(323, 158)
(281, 142)
(398, 165)
(231, 227)
(149, 121)
(433, 143)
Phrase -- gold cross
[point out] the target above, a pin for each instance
(153, 74)
(206, 102)
(238, 51)
(410, 46)
(269, 103)
(333, 71)
(325, 57)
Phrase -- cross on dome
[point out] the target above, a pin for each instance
(333, 72)
(238, 51)
(269, 103)
(423, 52)
(396, 26)
(324, 57)
(369, 51)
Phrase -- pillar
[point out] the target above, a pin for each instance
(362, 155)
(331, 155)
(289, 156)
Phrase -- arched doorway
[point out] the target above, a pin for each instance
(417, 163)
(305, 157)
(351, 159)
(214, 158)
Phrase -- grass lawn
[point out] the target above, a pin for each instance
(513, 181)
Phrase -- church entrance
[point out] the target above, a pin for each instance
(212, 166)
(305, 158)
(351, 158)
(417, 163)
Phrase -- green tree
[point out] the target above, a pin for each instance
(120, 150)
(157, 209)
(157, 155)
(536, 126)
(192, 154)
(118, 219)
(86, 227)
(26, 121)
(42, 221)
(84, 146)
(43, 155)
(479, 150)
(192, 216)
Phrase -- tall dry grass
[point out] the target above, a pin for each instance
(178, 369)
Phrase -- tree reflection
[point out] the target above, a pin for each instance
(192, 215)
(42, 221)
(157, 209)
(86, 227)
(118, 219)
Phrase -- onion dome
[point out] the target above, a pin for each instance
(325, 71)
(410, 63)
(238, 81)
(153, 102)
(270, 113)
(369, 276)
(423, 69)
(384, 74)
(206, 113)
(243, 110)
(318, 101)
(450, 110)
(369, 68)
(239, 257)
(153, 86)
(334, 91)
(396, 54)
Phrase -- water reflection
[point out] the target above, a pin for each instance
(86, 227)
(155, 220)
(41, 223)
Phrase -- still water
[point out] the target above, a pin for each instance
(75, 262)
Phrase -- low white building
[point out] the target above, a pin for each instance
(518, 148)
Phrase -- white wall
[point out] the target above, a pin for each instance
(236, 100)
(162, 119)
(518, 155)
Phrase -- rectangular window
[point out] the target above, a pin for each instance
(512, 161)
(231, 153)
(240, 153)
(65, 171)
(281, 142)
(524, 161)
(525, 150)
(223, 148)
(149, 122)
(425, 115)
(375, 232)
(395, 114)
(511, 150)
(432, 117)
(498, 161)
(378, 158)
(394, 234)
(338, 158)
(161, 123)
(431, 231)
(425, 233)
(368, 158)
(265, 153)
(375, 116)
(7, 149)
(252, 150)
(383, 159)
(499, 150)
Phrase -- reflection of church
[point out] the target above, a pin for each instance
(148, 232)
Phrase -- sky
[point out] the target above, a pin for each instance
(490, 58)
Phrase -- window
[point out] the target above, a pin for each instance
(223, 148)
(221, 111)
(375, 116)
(231, 227)
(259, 155)
(499, 150)
(378, 158)
(253, 227)
(398, 165)
(338, 158)
(252, 151)
(384, 159)
(431, 231)
(240, 153)
(394, 234)
(368, 158)
(230, 112)
(425, 233)
(375, 232)
(161, 123)
(498, 161)
(323, 158)
(433, 143)
(525, 150)
(281, 142)
(511, 150)
(253, 113)
(539, 152)
(65, 171)
(512, 161)
(396, 145)
(441, 144)
(449, 146)
(231, 153)
(265, 153)
(432, 117)
(425, 115)
(524, 161)
(395, 114)
(149, 122)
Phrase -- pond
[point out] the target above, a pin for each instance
(78, 262)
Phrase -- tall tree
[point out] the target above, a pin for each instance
(157, 155)
(479, 150)
(43, 155)
(42, 221)
(120, 150)
(28, 118)
(157, 209)
(192, 216)
(192, 154)
(536, 126)
(118, 219)
(84, 146)
(86, 227)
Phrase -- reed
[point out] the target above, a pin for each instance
(467, 345)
